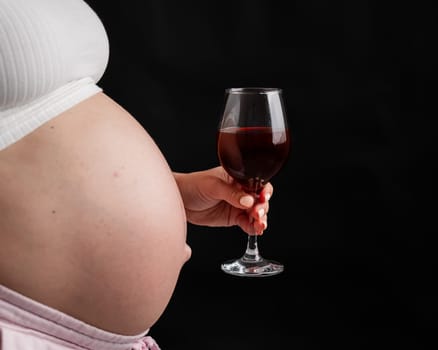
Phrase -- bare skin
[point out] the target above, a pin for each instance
(92, 220)
(78, 202)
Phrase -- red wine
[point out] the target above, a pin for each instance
(252, 155)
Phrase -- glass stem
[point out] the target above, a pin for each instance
(252, 250)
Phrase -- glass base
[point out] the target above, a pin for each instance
(252, 268)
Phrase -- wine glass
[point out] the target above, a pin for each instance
(253, 143)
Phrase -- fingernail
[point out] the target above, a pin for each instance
(267, 196)
(246, 201)
(261, 212)
(264, 225)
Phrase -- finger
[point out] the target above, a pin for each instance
(266, 193)
(246, 224)
(232, 194)
(251, 226)
(238, 198)
(260, 210)
(245, 200)
(260, 225)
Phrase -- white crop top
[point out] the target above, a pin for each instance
(52, 54)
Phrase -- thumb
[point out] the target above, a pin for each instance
(233, 194)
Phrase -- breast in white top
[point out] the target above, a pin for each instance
(44, 46)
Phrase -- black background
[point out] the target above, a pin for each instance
(353, 213)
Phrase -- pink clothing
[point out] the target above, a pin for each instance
(27, 324)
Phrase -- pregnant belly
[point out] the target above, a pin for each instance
(92, 220)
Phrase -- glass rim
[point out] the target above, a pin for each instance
(253, 90)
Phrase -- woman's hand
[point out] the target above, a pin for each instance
(212, 198)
